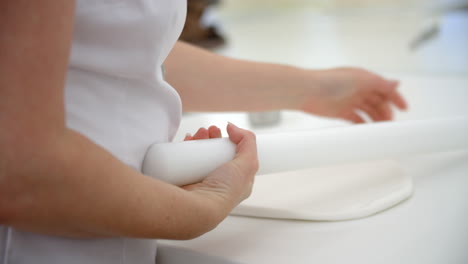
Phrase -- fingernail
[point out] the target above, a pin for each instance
(231, 124)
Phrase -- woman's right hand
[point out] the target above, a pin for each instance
(231, 183)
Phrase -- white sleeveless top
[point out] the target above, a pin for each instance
(116, 96)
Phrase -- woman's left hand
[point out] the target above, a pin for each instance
(341, 92)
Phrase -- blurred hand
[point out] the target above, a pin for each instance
(343, 91)
(231, 183)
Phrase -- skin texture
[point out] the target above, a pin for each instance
(241, 165)
(56, 181)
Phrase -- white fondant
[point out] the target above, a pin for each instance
(330, 193)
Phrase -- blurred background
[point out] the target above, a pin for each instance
(424, 36)
(424, 43)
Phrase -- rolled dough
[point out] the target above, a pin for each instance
(332, 193)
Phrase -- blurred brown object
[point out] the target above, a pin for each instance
(195, 32)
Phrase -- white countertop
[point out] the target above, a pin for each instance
(430, 227)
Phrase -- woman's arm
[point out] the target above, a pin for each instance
(56, 181)
(209, 82)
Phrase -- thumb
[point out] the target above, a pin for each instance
(245, 140)
(235, 133)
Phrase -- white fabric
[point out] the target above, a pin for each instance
(334, 193)
(115, 95)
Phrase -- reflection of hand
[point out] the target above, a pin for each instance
(342, 91)
(231, 183)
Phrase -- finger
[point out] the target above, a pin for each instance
(391, 93)
(202, 133)
(370, 111)
(375, 99)
(246, 152)
(389, 86)
(214, 132)
(235, 133)
(244, 139)
(188, 137)
(385, 112)
(353, 117)
(398, 100)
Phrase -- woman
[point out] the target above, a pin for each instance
(82, 97)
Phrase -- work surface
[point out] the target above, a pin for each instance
(430, 227)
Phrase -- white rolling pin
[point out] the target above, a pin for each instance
(189, 162)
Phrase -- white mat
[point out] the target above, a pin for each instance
(330, 193)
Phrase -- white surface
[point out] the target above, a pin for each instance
(335, 193)
(183, 163)
(428, 228)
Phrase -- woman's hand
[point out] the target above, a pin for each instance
(203, 133)
(341, 92)
(254, 86)
(231, 183)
